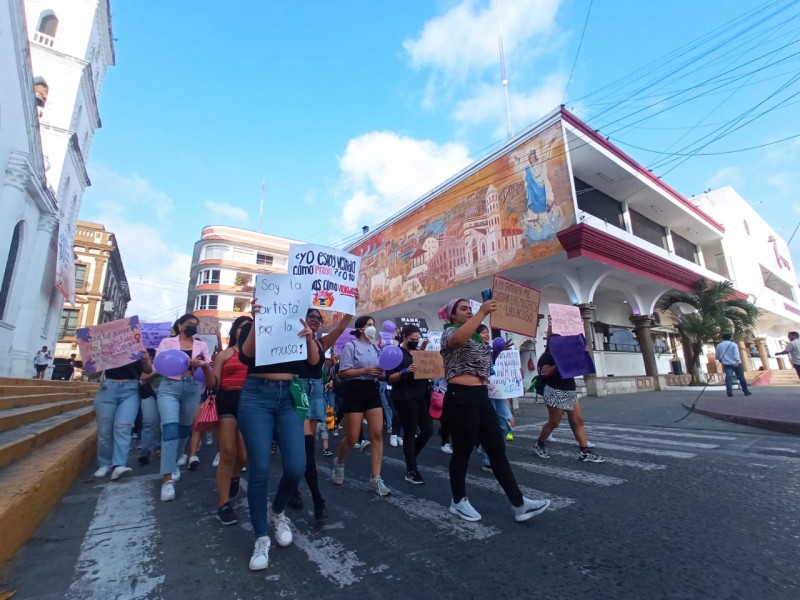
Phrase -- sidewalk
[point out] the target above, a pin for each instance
(775, 408)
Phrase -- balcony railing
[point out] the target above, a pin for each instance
(43, 39)
(67, 332)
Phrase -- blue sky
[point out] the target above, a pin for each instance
(349, 110)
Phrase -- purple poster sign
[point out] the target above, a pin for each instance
(569, 352)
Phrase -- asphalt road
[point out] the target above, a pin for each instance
(694, 509)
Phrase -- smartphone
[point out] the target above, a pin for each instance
(486, 295)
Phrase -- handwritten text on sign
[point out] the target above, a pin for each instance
(284, 301)
(110, 345)
(507, 379)
(517, 307)
(331, 275)
(566, 319)
(429, 364)
(153, 333)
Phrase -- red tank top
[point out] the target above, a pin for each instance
(234, 372)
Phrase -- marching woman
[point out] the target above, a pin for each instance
(361, 399)
(469, 413)
(179, 397)
(410, 397)
(266, 408)
(310, 377)
(231, 373)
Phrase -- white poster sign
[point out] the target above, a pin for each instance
(434, 338)
(284, 301)
(330, 275)
(507, 379)
(566, 319)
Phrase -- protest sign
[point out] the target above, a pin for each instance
(517, 307)
(569, 352)
(347, 336)
(153, 333)
(507, 379)
(330, 276)
(211, 342)
(418, 321)
(284, 301)
(65, 265)
(208, 325)
(566, 319)
(434, 338)
(429, 364)
(110, 345)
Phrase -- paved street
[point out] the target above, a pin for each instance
(694, 509)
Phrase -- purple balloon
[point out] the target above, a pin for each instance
(171, 362)
(389, 326)
(390, 358)
(200, 375)
(498, 344)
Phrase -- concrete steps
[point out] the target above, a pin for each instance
(47, 437)
(784, 377)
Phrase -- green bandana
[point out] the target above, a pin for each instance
(474, 336)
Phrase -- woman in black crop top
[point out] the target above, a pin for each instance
(266, 408)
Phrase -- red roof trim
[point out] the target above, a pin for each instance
(599, 139)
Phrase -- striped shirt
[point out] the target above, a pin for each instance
(473, 358)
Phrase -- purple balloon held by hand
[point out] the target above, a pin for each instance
(200, 375)
(389, 326)
(390, 358)
(171, 363)
(498, 344)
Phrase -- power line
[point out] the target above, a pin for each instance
(578, 51)
(786, 139)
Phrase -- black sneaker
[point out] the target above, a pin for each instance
(320, 512)
(541, 451)
(327, 452)
(296, 501)
(144, 458)
(590, 456)
(233, 490)
(414, 477)
(225, 515)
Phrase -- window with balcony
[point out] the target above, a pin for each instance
(240, 255)
(684, 248)
(80, 276)
(206, 302)
(648, 230)
(215, 252)
(598, 204)
(69, 323)
(208, 276)
(264, 259)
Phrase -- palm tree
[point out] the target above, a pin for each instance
(717, 310)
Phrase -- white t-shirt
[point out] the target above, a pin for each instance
(42, 358)
(794, 351)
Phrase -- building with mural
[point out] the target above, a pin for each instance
(561, 209)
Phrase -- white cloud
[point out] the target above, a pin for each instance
(129, 191)
(226, 211)
(382, 172)
(731, 176)
(465, 37)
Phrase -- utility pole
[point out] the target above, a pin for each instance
(509, 129)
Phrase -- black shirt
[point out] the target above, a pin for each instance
(407, 387)
(555, 380)
(292, 367)
(130, 371)
(307, 371)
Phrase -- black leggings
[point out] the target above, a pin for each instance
(471, 418)
(414, 415)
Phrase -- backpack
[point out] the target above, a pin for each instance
(538, 384)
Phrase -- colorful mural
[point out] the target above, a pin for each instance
(504, 215)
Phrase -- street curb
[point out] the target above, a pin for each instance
(782, 426)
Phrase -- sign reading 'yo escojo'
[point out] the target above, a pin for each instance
(330, 274)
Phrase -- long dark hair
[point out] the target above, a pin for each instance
(175, 331)
(233, 337)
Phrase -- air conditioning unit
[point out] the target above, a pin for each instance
(108, 306)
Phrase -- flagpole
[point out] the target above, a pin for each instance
(509, 129)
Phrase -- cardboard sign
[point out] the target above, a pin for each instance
(110, 345)
(517, 307)
(434, 338)
(347, 336)
(429, 364)
(566, 319)
(569, 352)
(208, 326)
(330, 274)
(507, 379)
(284, 301)
(418, 321)
(153, 333)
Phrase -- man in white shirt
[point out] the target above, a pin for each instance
(41, 361)
(793, 350)
(728, 354)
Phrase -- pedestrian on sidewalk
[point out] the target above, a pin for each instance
(41, 361)
(727, 352)
(793, 350)
(469, 413)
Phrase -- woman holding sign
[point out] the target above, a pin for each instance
(410, 397)
(470, 414)
(266, 408)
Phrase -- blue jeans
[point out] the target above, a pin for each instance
(729, 372)
(503, 416)
(390, 415)
(151, 432)
(115, 405)
(266, 408)
(178, 400)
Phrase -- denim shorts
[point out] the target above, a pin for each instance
(316, 398)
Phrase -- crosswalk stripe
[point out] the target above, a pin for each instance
(632, 449)
(570, 474)
(556, 502)
(119, 553)
(621, 462)
(670, 432)
(434, 513)
(647, 440)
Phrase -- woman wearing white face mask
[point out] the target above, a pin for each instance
(361, 398)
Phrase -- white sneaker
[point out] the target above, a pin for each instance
(176, 475)
(216, 461)
(101, 472)
(193, 463)
(167, 491)
(447, 448)
(551, 439)
(589, 444)
(464, 510)
(120, 472)
(183, 460)
(364, 445)
(260, 558)
(393, 441)
(357, 445)
(399, 441)
(280, 527)
(530, 508)
(376, 485)
(209, 438)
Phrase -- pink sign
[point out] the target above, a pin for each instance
(566, 319)
(110, 345)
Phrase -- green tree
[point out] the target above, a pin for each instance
(717, 310)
